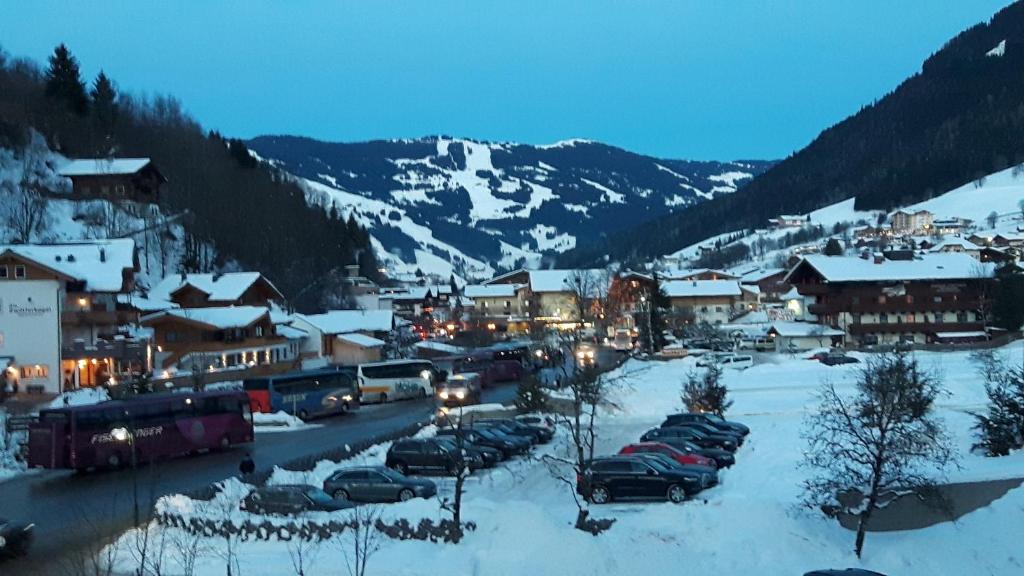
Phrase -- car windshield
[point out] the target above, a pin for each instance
(390, 473)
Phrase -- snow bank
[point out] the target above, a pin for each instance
(279, 422)
(80, 397)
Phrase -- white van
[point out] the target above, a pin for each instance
(396, 380)
(727, 360)
(623, 341)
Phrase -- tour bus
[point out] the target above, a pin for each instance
(116, 433)
(396, 380)
(623, 341)
(305, 394)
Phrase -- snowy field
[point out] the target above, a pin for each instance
(750, 524)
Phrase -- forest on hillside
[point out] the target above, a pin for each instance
(236, 210)
(957, 120)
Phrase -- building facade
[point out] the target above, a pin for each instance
(132, 179)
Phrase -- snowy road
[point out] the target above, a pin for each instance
(75, 510)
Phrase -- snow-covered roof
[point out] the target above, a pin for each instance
(345, 321)
(800, 329)
(937, 266)
(143, 304)
(697, 288)
(961, 242)
(684, 273)
(971, 334)
(100, 264)
(751, 288)
(360, 340)
(760, 274)
(793, 294)
(225, 287)
(290, 332)
(417, 293)
(439, 346)
(101, 166)
(219, 317)
(491, 290)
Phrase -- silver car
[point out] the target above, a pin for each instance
(376, 484)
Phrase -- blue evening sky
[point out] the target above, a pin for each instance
(708, 79)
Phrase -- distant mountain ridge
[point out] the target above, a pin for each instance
(957, 120)
(486, 205)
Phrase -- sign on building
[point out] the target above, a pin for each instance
(30, 332)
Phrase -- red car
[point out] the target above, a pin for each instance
(673, 453)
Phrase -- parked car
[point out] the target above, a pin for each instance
(696, 436)
(711, 430)
(536, 420)
(847, 572)
(705, 418)
(676, 454)
(833, 359)
(586, 356)
(708, 475)
(15, 538)
(490, 456)
(726, 360)
(723, 458)
(460, 390)
(541, 434)
(376, 484)
(505, 447)
(289, 499)
(429, 454)
(625, 477)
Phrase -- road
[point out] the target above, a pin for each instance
(75, 511)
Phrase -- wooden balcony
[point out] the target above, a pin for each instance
(98, 317)
(908, 327)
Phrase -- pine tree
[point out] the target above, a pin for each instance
(1001, 429)
(833, 247)
(64, 81)
(704, 392)
(660, 304)
(104, 106)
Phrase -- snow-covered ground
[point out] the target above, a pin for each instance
(279, 422)
(750, 524)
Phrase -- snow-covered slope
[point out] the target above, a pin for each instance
(1001, 192)
(446, 204)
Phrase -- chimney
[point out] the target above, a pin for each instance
(103, 254)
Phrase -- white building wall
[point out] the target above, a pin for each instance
(30, 333)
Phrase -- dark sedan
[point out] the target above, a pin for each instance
(711, 431)
(696, 436)
(722, 458)
(536, 434)
(289, 499)
(376, 484)
(15, 538)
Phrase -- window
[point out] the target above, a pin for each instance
(937, 299)
(19, 271)
(856, 318)
(35, 371)
(881, 299)
(119, 189)
(718, 308)
(855, 300)
(508, 304)
(911, 318)
(259, 331)
(3, 271)
(910, 298)
(961, 316)
(883, 318)
(938, 317)
(172, 336)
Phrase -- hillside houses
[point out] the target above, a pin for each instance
(710, 301)
(132, 179)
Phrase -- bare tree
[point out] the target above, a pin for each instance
(188, 549)
(25, 208)
(883, 438)
(362, 539)
(303, 553)
(461, 470)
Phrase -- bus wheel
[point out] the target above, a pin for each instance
(345, 408)
(423, 393)
(114, 460)
(383, 398)
(303, 415)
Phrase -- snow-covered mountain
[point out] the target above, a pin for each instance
(447, 204)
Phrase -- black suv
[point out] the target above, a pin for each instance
(711, 431)
(489, 455)
(429, 454)
(696, 436)
(291, 499)
(537, 434)
(709, 419)
(506, 447)
(624, 477)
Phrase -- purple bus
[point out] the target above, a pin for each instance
(147, 428)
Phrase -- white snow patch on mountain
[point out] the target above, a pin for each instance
(731, 178)
(998, 51)
(1000, 192)
(548, 238)
(610, 196)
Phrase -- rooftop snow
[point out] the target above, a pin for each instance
(221, 318)
(344, 321)
(360, 340)
(290, 332)
(697, 288)
(562, 280)
(942, 266)
(98, 263)
(99, 166)
(439, 346)
(491, 290)
(143, 304)
(220, 287)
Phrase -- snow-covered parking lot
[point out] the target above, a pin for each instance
(750, 524)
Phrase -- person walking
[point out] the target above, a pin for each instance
(247, 468)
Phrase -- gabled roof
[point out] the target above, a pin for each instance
(100, 264)
(800, 329)
(143, 304)
(290, 332)
(218, 318)
(103, 166)
(687, 273)
(491, 290)
(218, 287)
(936, 266)
(562, 280)
(345, 321)
(698, 288)
(360, 340)
(962, 242)
(760, 274)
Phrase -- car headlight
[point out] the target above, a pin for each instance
(590, 354)
(580, 354)
(347, 397)
(443, 394)
(425, 374)
(460, 394)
